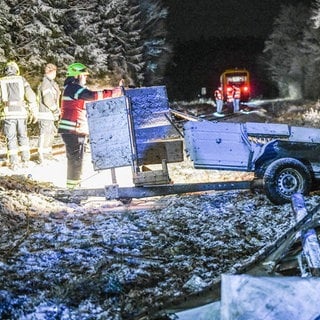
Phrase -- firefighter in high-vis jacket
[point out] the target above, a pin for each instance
(218, 95)
(73, 124)
(229, 97)
(18, 102)
(49, 111)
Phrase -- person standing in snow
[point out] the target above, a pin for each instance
(236, 98)
(73, 125)
(17, 101)
(229, 97)
(218, 95)
(49, 111)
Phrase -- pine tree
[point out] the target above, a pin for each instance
(119, 37)
(157, 52)
(38, 35)
(315, 17)
(310, 50)
(114, 38)
(5, 36)
(283, 50)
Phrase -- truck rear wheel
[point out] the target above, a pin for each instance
(284, 177)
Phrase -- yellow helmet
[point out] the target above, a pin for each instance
(11, 68)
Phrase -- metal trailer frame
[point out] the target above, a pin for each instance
(136, 130)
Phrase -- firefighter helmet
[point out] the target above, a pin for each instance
(76, 69)
(11, 68)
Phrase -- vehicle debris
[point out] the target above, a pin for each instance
(134, 130)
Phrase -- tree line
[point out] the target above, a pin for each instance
(129, 39)
(291, 52)
(115, 39)
(285, 64)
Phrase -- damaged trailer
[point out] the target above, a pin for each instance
(137, 130)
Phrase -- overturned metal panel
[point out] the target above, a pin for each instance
(156, 138)
(217, 145)
(301, 134)
(267, 129)
(309, 238)
(133, 130)
(148, 106)
(283, 131)
(109, 127)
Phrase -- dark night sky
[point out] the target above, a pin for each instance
(242, 26)
(193, 19)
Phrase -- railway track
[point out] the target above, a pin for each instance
(57, 148)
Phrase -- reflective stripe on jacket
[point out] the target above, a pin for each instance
(13, 92)
(73, 109)
(229, 95)
(236, 93)
(218, 94)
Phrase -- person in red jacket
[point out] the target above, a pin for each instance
(229, 97)
(73, 125)
(218, 95)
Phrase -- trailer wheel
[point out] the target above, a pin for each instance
(284, 177)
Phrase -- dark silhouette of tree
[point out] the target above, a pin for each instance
(315, 16)
(310, 49)
(116, 39)
(283, 49)
(157, 51)
(5, 36)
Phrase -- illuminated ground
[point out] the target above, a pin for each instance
(103, 260)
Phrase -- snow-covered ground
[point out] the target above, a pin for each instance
(105, 260)
(55, 172)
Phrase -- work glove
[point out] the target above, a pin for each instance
(117, 92)
(56, 114)
(33, 110)
(32, 119)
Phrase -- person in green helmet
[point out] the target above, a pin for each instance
(73, 125)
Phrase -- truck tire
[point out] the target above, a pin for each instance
(284, 177)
